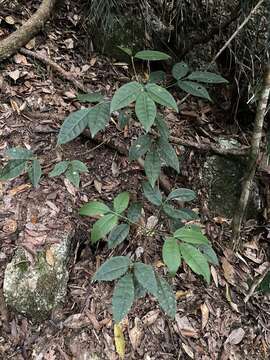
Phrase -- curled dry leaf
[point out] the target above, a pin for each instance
(150, 317)
(10, 226)
(136, 333)
(205, 315)
(188, 350)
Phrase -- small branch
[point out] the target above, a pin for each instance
(57, 68)
(27, 31)
(256, 283)
(243, 151)
(237, 31)
(253, 156)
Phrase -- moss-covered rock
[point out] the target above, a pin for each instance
(222, 176)
(35, 290)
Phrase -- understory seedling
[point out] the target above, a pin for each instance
(21, 160)
(71, 169)
(187, 243)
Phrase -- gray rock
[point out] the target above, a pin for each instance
(36, 289)
(222, 176)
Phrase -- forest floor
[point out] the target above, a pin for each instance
(212, 322)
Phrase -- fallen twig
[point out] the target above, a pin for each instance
(63, 73)
(256, 283)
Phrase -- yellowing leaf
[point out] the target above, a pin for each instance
(119, 340)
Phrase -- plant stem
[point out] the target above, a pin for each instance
(134, 69)
(252, 162)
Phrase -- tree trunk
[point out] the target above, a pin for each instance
(27, 31)
(253, 157)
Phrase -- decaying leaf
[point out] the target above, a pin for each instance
(235, 337)
(119, 340)
(77, 321)
(10, 226)
(184, 326)
(151, 317)
(136, 334)
(229, 272)
(50, 258)
(205, 315)
(188, 350)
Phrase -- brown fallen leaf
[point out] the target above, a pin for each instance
(205, 315)
(14, 75)
(10, 20)
(77, 321)
(188, 350)
(19, 189)
(150, 317)
(136, 334)
(229, 272)
(184, 326)
(235, 337)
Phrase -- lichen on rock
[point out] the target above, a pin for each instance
(36, 289)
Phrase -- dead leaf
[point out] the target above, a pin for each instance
(136, 334)
(31, 44)
(180, 294)
(10, 20)
(115, 169)
(184, 326)
(229, 272)
(229, 299)
(70, 188)
(14, 75)
(77, 321)
(235, 337)
(188, 350)
(119, 340)
(205, 315)
(214, 275)
(10, 226)
(50, 258)
(20, 59)
(69, 43)
(150, 317)
(98, 186)
(19, 189)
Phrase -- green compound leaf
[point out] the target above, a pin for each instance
(134, 212)
(79, 166)
(139, 147)
(194, 89)
(112, 269)
(125, 95)
(209, 253)
(90, 97)
(152, 166)
(18, 153)
(73, 126)
(174, 213)
(94, 208)
(166, 297)
(168, 154)
(152, 194)
(206, 77)
(98, 118)
(179, 70)
(103, 226)
(171, 255)
(161, 96)
(118, 235)
(139, 291)
(12, 169)
(182, 194)
(191, 235)
(59, 168)
(195, 260)
(123, 297)
(73, 176)
(146, 110)
(151, 55)
(145, 275)
(120, 203)
(34, 172)
(162, 127)
(157, 76)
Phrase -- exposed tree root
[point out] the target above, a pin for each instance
(27, 31)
